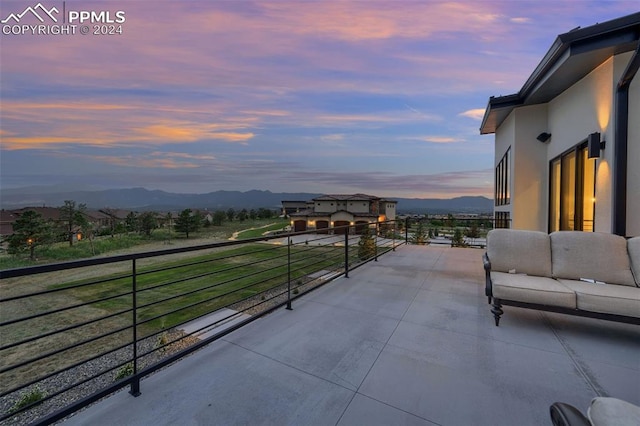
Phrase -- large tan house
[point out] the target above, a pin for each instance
(567, 145)
(330, 211)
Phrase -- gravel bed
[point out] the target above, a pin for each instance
(255, 305)
(88, 369)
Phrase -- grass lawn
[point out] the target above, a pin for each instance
(170, 293)
(105, 245)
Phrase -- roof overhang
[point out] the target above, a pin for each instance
(572, 56)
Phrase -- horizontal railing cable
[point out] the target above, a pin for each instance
(254, 278)
(64, 330)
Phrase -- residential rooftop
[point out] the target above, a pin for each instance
(405, 340)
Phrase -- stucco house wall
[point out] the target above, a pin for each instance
(505, 138)
(530, 185)
(584, 108)
(571, 94)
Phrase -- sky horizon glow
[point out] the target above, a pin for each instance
(377, 97)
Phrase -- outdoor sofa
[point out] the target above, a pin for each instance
(602, 411)
(588, 274)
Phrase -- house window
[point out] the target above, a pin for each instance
(502, 194)
(572, 186)
(502, 220)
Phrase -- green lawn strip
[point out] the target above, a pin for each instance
(217, 280)
(259, 232)
(101, 245)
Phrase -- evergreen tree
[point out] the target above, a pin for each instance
(131, 222)
(73, 216)
(265, 213)
(231, 214)
(420, 236)
(458, 239)
(187, 222)
(169, 221)
(30, 230)
(366, 245)
(218, 217)
(473, 231)
(147, 223)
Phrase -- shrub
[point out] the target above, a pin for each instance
(33, 396)
(366, 245)
(124, 371)
(458, 240)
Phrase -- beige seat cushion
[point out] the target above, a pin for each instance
(532, 289)
(526, 252)
(594, 255)
(613, 411)
(606, 298)
(633, 247)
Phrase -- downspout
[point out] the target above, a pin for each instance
(621, 142)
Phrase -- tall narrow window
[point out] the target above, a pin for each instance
(502, 190)
(572, 191)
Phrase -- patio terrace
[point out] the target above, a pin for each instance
(406, 340)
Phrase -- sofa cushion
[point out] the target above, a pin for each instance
(526, 252)
(612, 411)
(594, 255)
(532, 289)
(606, 298)
(633, 247)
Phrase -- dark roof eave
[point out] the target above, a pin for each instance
(501, 103)
(622, 31)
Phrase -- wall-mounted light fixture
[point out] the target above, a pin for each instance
(594, 145)
(544, 137)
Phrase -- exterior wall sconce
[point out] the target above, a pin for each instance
(594, 145)
(544, 137)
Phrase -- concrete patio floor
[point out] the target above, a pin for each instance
(407, 340)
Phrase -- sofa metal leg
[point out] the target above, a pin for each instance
(497, 311)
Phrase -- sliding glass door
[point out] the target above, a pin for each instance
(572, 191)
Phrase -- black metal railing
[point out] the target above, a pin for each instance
(77, 331)
(471, 232)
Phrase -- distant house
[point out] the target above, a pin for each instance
(330, 211)
(7, 217)
(289, 207)
(567, 145)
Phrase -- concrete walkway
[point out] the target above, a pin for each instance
(407, 340)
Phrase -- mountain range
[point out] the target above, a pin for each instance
(141, 199)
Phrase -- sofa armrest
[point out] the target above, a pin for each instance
(567, 415)
(488, 289)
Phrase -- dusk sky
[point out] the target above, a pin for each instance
(379, 97)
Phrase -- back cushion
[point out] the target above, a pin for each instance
(522, 252)
(633, 247)
(593, 255)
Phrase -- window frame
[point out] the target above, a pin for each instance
(502, 180)
(578, 189)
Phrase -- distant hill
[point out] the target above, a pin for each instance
(142, 199)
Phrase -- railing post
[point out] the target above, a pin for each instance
(346, 253)
(375, 259)
(393, 236)
(406, 230)
(289, 273)
(135, 384)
